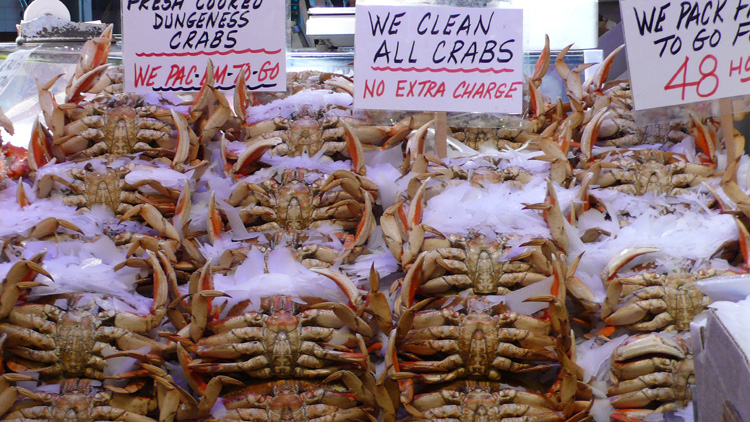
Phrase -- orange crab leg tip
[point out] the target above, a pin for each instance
(215, 225)
(343, 282)
(703, 140)
(744, 239)
(183, 139)
(412, 281)
(183, 207)
(241, 101)
(540, 68)
(253, 153)
(21, 197)
(622, 259)
(607, 331)
(416, 209)
(354, 148)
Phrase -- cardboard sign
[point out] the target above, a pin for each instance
(438, 59)
(688, 51)
(11, 65)
(167, 44)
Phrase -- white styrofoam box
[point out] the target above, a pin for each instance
(566, 22)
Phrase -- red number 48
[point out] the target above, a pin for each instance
(705, 74)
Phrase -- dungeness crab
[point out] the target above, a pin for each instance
(73, 340)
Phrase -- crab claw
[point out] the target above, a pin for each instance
(536, 101)
(365, 228)
(590, 135)
(53, 115)
(344, 283)
(39, 152)
(215, 225)
(744, 242)
(560, 168)
(405, 382)
(182, 210)
(241, 101)
(597, 80)
(94, 54)
(153, 217)
(402, 129)
(542, 64)
(21, 197)
(412, 281)
(19, 278)
(620, 417)
(139, 323)
(201, 307)
(572, 79)
(252, 154)
(553, 216)
(393, 227)
(578, 289)
(203, 96)
(416, 208)
(703, 140)
(194, 380)
(354, 148)
(621, 259)
(218, 117)
(183, 139)
(77, 86)
(377, 303)
(50, 225)
(415, 145)
(348, 317)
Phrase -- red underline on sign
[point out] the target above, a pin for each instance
(442, 69)
(207, 53)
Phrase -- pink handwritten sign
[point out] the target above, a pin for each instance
(167, 44)
(436, 58)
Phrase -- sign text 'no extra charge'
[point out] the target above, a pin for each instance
(438, 58)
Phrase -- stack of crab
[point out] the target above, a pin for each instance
(170, 260)
(653, 217)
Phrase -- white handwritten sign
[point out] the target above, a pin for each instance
(688, 51)
(167, 43)
(11, 65)
(438, 58)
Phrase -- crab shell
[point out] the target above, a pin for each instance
(466, 400)
(36, 331)
(282, 339)
(653, 372)
(341, 397)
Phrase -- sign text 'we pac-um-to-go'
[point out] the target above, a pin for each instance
(687, 51)
(437, 58)
(167, 43)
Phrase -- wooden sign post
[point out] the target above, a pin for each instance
(438, 58)
(166, 45)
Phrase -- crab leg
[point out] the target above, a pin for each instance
(39, 152)
(19, 278)
(253, 154)
(621, 259)
(590, 135)
(50, 225)
(597, 80)
(154, 218)
(158, 310)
